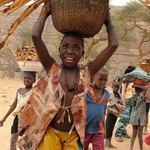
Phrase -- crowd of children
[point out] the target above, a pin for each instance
(102, 108)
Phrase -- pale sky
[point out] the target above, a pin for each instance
(113, 2)
(119, 2)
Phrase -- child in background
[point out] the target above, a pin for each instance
(96, 101)
(147, 96)
(116, 106)
(126, 93)
(138, 115)
(22, 96)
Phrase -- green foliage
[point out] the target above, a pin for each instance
(93, 54)
(7, 59)
(125, 18)
(134, 11)
(25, 36)
(18, 70)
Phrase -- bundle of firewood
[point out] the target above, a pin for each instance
(26, 53)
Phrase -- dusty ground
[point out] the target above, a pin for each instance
(8, 88)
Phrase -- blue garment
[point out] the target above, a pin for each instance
(95, 113)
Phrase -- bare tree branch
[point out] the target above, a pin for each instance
(93, 42)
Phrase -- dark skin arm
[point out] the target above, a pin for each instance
(41, 49)
(11, 109)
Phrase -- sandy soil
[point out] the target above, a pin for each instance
(8, 88)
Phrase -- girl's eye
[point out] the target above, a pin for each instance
(64, 46)
(76, 48)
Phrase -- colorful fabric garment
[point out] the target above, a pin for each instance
(138, 111)
(45, 102)
(135, 74)
(95, 112)
(114, 98)
(123, 121)
(111, 119)
(115, 105)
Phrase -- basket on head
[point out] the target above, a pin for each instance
(84, 16)
(30, 65)
(27, 59)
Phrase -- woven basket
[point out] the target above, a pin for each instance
(145, 67)
(84, 16)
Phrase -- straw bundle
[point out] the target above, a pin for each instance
(26, 54)
(27, 59)
(84, 16)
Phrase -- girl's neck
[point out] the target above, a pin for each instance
(70, 68)
(28, 88)
(97, 88)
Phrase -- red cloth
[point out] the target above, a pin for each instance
(139, 82)
(97, 141)
(147, 139)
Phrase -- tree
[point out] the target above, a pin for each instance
(25, 36)
(8, 61)
(146, 3)
(135, 21)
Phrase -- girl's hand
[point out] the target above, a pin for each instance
(123, 102)
(1, 122)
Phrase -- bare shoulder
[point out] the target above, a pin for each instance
(23, 91)
(20, 90)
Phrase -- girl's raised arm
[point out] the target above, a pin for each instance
(41, 49)
(104, 56)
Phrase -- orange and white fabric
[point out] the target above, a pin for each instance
(45, 102)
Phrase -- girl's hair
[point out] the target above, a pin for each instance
(129, 69)
(33, 73)
(104, 69)
(115, 83)
(138, 90)
(74, 34)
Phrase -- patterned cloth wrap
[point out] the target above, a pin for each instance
(138, 110)
(136, 74)
(45, 102)
(124, 120)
